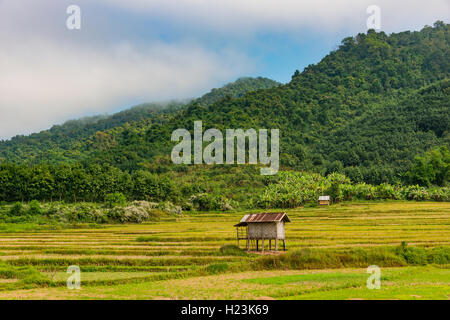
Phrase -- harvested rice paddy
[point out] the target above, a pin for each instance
(180, 258)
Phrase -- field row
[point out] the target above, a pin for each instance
(189, 246)
(396, 283)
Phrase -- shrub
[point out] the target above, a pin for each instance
(387, 191)
(232, 250)
(16, 209)
(52, 211)
(25, 274)
(217, 268)
(348, 192)
(82, 212)
(170, 207)
(412, 255)
(363, 191)
(116, 199)
(34, 208)
(136, 212)
(439, 194)
(187, 206)
(336, 180)
(207, 202)
(416, 193)
(440, 255)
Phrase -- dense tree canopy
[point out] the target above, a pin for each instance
(367, 110)
(433, 168)
(73, 140)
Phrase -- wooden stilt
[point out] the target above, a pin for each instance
(270, 244)
(276, 244)
(284, 244)
(257, 242)
(263, 245)
(248, 244)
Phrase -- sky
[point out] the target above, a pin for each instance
(128, 52)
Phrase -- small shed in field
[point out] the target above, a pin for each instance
(324, 200)
(262, 226)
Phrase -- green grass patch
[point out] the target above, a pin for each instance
(360, 257)
(217, 268)
(26, 276)
(316, 277)
(232, 250)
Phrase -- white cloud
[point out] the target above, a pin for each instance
(43, 83)
(248, 16)
(48, 76)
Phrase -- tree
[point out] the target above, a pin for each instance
(431, 168)
(115, 199)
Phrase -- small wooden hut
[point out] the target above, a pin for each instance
(262, 226)
(324, 200)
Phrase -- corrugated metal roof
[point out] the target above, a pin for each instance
(244, 218)
(324, 198)
(264, 217)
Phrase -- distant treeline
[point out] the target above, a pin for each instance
(74, 183)
(215, 187)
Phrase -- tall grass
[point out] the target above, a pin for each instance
(361, 257)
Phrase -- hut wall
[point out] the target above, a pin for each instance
(280, 230)
(269, 230)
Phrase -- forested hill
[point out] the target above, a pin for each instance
(69, 142)
(366, 110)
(236, 89)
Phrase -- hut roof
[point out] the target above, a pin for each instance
(324, 198)
(263, 217)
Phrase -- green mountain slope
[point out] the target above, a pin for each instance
(367, 109)
(236, 89)
(68, 142)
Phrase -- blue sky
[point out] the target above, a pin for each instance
(133, 51)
